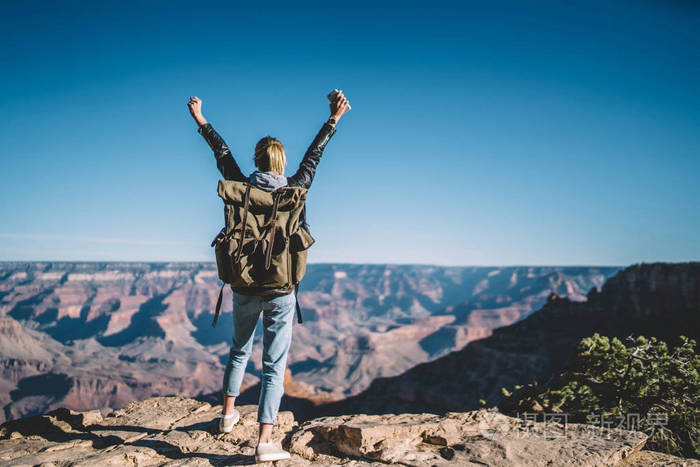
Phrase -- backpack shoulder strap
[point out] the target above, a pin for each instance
(273, 230)
(246, 204)
(296, 297)
(218, 306)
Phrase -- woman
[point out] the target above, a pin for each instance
(276, 305)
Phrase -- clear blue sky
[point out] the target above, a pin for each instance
(481, 133)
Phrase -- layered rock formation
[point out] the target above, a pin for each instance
(98, 335)
(659, 299)
(175, 431)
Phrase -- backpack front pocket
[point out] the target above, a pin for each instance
(224, 261)
(299, 243)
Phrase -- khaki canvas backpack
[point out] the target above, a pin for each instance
(262, 243)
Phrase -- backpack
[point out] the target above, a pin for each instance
(262, 243)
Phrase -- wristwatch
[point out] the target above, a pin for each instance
(332, 121)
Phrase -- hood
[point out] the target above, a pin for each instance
(268, 181)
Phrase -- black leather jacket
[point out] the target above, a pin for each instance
(302, 178)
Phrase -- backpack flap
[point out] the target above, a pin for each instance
(260, 200)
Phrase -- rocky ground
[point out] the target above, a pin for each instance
(176, 431)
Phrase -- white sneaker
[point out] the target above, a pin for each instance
(226, 422)
(268, 452)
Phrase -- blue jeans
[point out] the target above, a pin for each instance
(277, 317)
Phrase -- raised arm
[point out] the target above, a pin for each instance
(224, 159)
(307, 169)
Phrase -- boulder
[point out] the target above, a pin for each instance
(480, 437)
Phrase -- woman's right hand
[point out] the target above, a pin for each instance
(195, 106)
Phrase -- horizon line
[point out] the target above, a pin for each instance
(320, 263)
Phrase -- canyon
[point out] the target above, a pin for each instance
(659, 299)
(101, 335)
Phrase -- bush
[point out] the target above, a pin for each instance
(649, 387)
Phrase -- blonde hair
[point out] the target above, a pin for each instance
(269, 155)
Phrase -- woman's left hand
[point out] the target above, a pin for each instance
(339, 106)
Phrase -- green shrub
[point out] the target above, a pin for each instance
(651, 388)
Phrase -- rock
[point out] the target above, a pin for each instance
(156, 431)
(653, 458)
(177, 431)
(472, 438)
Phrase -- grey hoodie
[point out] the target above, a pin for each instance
(268, 181)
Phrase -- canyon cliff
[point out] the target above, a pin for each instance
(659, 299)
(100, 335)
